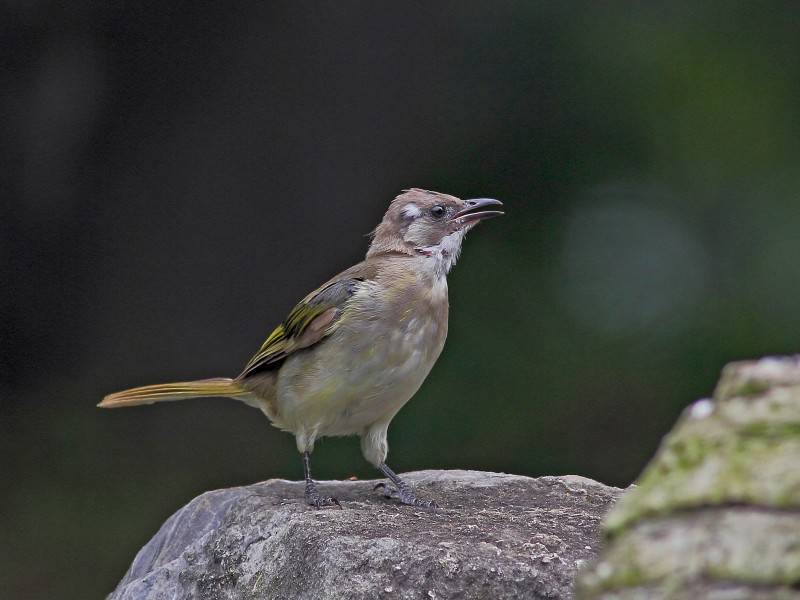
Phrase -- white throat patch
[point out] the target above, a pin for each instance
(444, 255)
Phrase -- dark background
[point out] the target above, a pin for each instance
(176, 175)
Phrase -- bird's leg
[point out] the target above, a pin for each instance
(401, 490)
(312, 495)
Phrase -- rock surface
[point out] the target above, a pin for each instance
(496, 536)
(716, 514)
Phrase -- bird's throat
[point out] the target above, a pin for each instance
(444, 255)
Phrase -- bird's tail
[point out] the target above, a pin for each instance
(165, 392)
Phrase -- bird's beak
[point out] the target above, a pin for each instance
(472, 212)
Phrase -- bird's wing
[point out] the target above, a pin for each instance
(314, 318)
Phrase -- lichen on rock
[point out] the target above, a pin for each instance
(718, 507)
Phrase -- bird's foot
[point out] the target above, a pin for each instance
(317, 500)
(404, 494)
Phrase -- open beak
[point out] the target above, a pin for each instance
(473, 211)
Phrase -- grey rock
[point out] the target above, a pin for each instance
(495, 536)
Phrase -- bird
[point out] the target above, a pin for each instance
(351, 353)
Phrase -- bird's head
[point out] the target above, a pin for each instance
(420, 222)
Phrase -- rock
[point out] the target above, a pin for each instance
(716, 514)
(495, 536)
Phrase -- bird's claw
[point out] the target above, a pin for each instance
(318, 501)
(404, 495)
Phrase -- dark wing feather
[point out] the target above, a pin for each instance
(310, 321)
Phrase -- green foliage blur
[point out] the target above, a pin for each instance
(182, 175)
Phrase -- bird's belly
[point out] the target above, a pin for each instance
(357, 377)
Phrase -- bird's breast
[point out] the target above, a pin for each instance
(382, 350)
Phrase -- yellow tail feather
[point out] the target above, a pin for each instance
(165, 392)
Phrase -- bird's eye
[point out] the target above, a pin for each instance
(437, 212)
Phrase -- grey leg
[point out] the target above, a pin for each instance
(401, 490)
(312, 495)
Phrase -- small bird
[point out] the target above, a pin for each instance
(356, 349)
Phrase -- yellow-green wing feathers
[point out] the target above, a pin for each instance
(310, 321)
(272, 350)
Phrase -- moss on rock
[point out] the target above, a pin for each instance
(731, 450)
(720, 501)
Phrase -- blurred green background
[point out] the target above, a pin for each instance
(179, 174)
